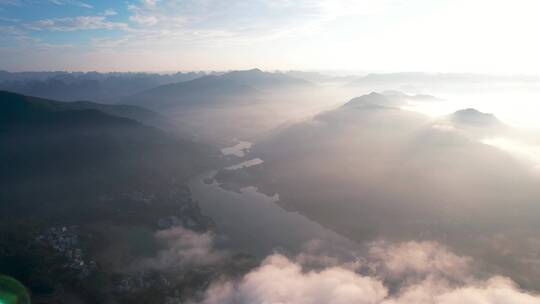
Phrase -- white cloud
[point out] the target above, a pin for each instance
(320, 34)
(241, 20)
(57, 2)
(69, 24)
(150, 2)
(144, 20)
(11, 2)
(283, 280)
(280, 280)
(71, 2)
(10, 30)
(497, 290)
(418, 259)
(109, 12)
(6, 19)
(182, 248)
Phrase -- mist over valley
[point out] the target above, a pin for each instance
(269, 152)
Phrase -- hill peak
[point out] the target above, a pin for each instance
(472, 116)
(372, 98)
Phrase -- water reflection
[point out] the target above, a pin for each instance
(252, 222)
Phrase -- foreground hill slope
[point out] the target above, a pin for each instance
(104, 183)
(12, 101)
(46, 142)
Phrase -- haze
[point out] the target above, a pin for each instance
(269, 152)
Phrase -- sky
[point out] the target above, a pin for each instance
(481, 36)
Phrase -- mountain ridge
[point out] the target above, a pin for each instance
(245, 86)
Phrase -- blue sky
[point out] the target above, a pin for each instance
(488, 36)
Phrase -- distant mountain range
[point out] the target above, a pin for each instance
(101, 87)
(155, 91)
(236, 87)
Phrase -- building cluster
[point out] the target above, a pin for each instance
(66, 240)
(143, 280)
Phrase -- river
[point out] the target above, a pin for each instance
(252, 222)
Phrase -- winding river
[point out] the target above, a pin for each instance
(252, 222)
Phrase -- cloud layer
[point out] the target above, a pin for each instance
(438, 277)
(303, 34)
(182, 249)
(77, 24)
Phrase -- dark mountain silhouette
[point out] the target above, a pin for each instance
(88, 154)
(127, 111)
(13, 100)
(101, 87)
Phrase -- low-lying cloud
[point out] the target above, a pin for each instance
(439, 277)
(281, 280)
(418, 259)
(182, 249)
